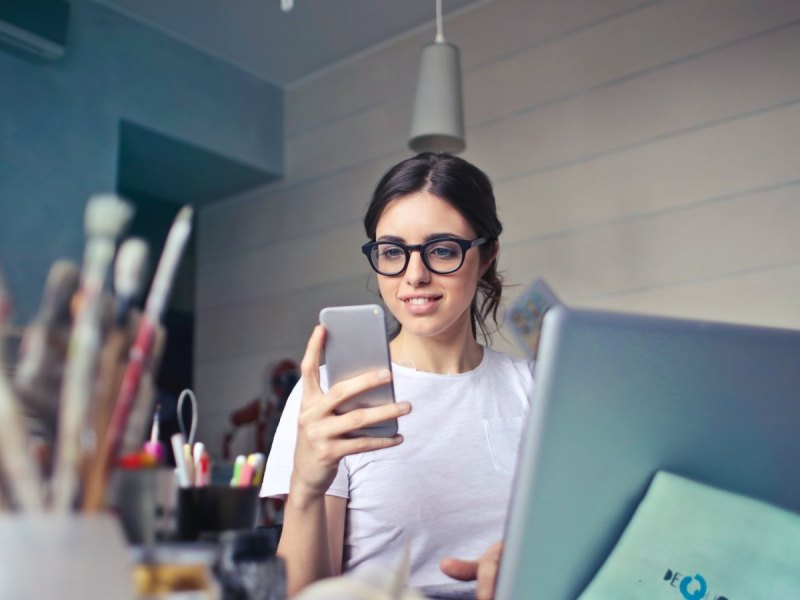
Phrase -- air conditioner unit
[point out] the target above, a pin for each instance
(35, 27)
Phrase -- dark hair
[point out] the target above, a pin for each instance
(467, 189)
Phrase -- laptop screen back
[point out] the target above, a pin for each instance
(618, 397)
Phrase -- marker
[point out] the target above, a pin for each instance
(246, 474)
(201, 465)
(205, 469)
(189, 459)
(154, 447)
(181, 470)
(258, 460)
(237, 470)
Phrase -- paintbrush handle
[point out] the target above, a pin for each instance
(20, 470)
(141, 413)
(112, 369)
(139, 356)
(112, 441)
(79, 373)
(72, 414)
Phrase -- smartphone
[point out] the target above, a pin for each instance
(357, 343)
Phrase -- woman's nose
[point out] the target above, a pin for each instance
(416, 271)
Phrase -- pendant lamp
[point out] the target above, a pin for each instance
(438, 121)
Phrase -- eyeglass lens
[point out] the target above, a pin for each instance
(440, 256)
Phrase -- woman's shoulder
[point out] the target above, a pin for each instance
(507, 364)
(498, 358)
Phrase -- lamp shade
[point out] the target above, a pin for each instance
(438, 121)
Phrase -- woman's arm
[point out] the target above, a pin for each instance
(312, 541)
(313, 523)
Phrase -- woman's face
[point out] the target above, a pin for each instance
(427, 304)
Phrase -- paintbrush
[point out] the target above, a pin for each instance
(43, 351)
(22, 480)
(129, 275)
(130, 269)
(139, 417)
(129, 412)
(105, 219)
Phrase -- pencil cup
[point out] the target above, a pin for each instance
(216, 508)
(72, 557)
(146, 503)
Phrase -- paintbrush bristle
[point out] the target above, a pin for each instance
(107, 215)
(62, 283)
(130, 267)
(184, 214)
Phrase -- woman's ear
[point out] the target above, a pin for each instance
(490, 258)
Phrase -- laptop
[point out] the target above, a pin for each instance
(620, 396)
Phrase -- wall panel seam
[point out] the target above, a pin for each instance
(654, 214)
(691, 281)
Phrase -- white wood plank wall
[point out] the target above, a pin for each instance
(645, 155)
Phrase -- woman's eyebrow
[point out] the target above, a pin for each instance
(428, 238)
(444, 234)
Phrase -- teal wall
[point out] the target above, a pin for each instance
(60, 128)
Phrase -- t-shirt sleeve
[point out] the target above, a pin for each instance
(280, 460)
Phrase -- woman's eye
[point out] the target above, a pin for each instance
(392, 253)
(443, 252)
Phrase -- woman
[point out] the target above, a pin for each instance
(441, 485)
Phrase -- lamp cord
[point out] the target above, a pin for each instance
(189, 435)
(439, 29)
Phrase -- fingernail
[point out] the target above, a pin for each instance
(385, 374)
(405, 407)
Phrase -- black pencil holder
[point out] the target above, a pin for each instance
(215, 508)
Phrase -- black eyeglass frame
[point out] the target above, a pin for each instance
(408, 249)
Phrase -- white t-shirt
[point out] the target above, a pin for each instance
(446, 487)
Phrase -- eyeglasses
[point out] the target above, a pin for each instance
(441, 256)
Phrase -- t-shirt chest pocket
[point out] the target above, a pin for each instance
(503, 435)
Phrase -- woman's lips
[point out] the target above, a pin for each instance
(421, 305)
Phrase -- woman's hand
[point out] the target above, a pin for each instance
(321, 433)
(484, 570)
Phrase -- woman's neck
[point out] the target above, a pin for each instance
(454, 354)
